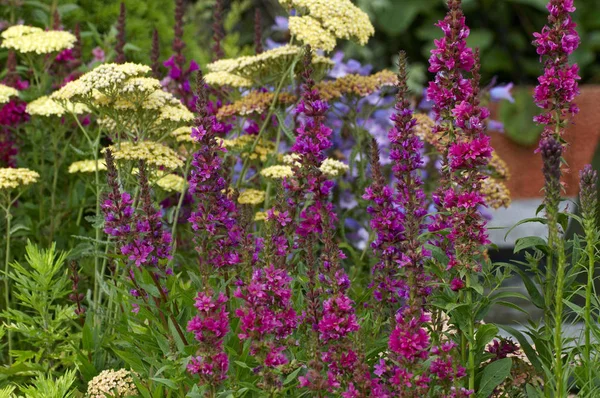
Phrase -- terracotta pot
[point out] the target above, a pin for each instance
(583, 138)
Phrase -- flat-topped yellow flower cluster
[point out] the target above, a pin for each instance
(6, 92)
(153, 153)
(46, 106)
(321, 22)
(29, 39)
(249, 70)
(14, 178)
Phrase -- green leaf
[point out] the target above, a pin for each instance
(132, 359)
(529, 242)
(526, 221)
(533, 392)
(493, 374)
(485, 334)
(527, 348)
(169, 383)
(292, 376)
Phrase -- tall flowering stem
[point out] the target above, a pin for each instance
(218, 241)
(461, 118)
(216, 214)
(555, 93)
(558, 86)
(399, 219)
(588, 200)
(330, 311)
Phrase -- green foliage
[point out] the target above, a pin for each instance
(43, 321)
(501, 29)
(517, 118)
(44, 386)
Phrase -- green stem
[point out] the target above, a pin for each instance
(471, 336)
(560, 280)
(265, 123)
(8, 217)
(179, 204)
(589, 237)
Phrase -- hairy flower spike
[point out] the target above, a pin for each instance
(155, 54)
(258, 44)
(218, 30)
(121, 40)
(588, 193)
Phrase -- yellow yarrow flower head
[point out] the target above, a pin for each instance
(46, 106)
(260, 216)
(15, 178)
(292, 159)
(87, 166)
(310, 31)
(19, 30)
(333, 168)
(6, 92)
(339, 18)
(267, 66)
(29, 39)
(277, 172)
(112, 383)
(153, 153)
(251, 197)
(171, 183)
(222, 78)
(104, 80)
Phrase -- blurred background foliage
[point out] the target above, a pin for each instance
(502, 29)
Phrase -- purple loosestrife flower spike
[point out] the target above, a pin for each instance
(117, 206)
(218, 30)
(210, 328)
(330, 311)
(258, 45)
(266, 316)
(120, 47)
(558, 86)
(215, 218)
(155, 54)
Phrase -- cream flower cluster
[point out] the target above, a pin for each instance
(6, 92)
(171, 183)
(310, 31)
(291, 159)
(153, 153)
(86, 166)
(29, 39)
(103, 78)
(15, 178)
(337, 18)
(46, 106)
(227, 79)
(333, 168)
(262, 66)
(251, 197)
(183, 134)
(277, 172)
(112, 383)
